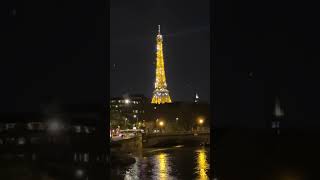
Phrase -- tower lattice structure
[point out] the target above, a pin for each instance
(160, 93)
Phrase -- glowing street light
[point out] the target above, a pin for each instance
(161, 123)
(201, 121)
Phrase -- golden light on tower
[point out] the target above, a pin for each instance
(160, 93)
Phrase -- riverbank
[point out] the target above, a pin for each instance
(122, 159)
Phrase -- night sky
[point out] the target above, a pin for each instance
(57, 50)
(185, 26)
(263, 50)
(53, 51)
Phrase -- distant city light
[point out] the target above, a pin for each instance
(21, 141)
(54, 126)
(79, 173)
(161, 123)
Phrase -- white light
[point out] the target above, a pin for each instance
(21, 141)
(126, 101)
(79, 173)
(54, 126)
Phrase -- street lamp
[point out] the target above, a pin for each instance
(135, 117)
(125, 122)
(161, 124)
(201, 121)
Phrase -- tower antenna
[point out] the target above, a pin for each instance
(158, 29)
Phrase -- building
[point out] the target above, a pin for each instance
(127, 111)
(70, 136)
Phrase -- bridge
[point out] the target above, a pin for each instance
(176, 138)
(161, 139)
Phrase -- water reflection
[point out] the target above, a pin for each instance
(170, 164)
(161, 166)
(133, 172)
(202, 166)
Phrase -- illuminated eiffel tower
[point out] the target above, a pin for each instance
(160, 93)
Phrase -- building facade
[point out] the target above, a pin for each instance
(127, 111)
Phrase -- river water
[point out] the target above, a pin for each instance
(186, 163)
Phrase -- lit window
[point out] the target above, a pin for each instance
(86, 157)
(21, 141)
(86, 129)
(126, 101)
(10, 125)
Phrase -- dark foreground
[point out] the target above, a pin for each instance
(260, 154)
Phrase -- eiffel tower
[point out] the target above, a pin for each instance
(160, 93)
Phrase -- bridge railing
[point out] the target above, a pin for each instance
(178, 133)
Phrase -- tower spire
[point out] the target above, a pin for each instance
(160, 93)
(158, 29)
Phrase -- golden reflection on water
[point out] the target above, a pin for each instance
(163, 165)
(202, 165)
